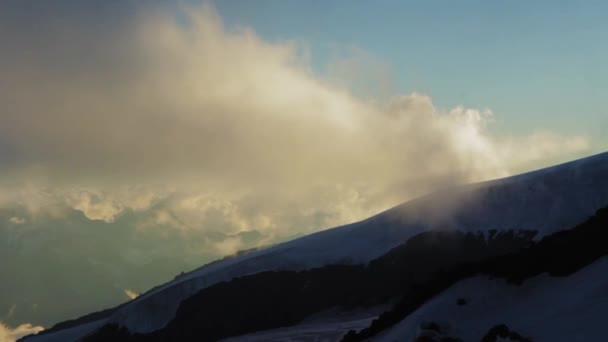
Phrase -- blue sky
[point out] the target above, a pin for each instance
(535, 64)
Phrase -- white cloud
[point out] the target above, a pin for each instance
(11, 335)
(94, 206)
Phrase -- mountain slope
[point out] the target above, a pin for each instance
(544, 308)
(560, 255)
(410, 274)
(545, 201)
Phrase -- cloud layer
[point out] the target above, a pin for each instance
(179, 100)
(113, 112)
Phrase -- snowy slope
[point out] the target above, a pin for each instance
(545, 200)
(544, 308)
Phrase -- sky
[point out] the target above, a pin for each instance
(142, 139)
(535, 64)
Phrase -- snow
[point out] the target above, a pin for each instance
(546, 200)
(544, 308)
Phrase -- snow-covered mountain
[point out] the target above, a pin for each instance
(544, 308)
(544, 201)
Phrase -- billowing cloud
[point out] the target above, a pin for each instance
(216, 129)
(11, 335)
(94, 207)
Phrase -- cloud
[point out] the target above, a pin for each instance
(131, 294)
(94, 207)
(11, 335)
(363, 73)
(230, 133)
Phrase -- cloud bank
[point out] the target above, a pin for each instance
(227, 130)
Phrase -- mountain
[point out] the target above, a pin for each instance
(543, 309)
(405, 246)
